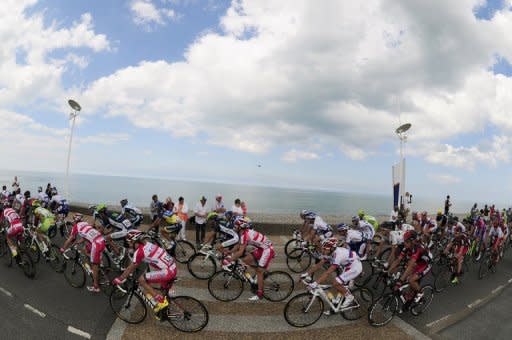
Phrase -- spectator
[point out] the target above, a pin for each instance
(474, 211)
(447, 205)
(407, 204)
(244, 208)
(237, 208)
(15, 184)
(394, 215)
(49, 190)
(5, 193)
(181, 209)
(155, 207)
(200, 213)
(218, 206)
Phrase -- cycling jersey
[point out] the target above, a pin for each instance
(372, 220)
(421, 256)
(15, 226)
(43, 198)
(366, 229)
(429, 226)
(95, 241)
(158, 259)
(264, 251)
(321, 227)
(496, 231)
(461, 241)
(134, 214)
(63, 207)
(116, 221)
(349, 261)
(44, 219)
(231, 236)
(480, 229)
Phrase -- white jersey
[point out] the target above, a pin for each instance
(367, 229)
(405, 227)
(496, 231)
(320, 225)
(343, 257)
(43, 197)
(59, 199)
(353, 236)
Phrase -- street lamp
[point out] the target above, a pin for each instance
(72, 116)
(401, 132)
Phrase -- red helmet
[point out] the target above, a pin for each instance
(329, 243)
(410, 235)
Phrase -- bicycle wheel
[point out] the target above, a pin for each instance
(442, 279)
(129, 307)
(225, 286)
(202, 267)
(56, 259)
(366, 274)
(303, 310)
(383, 310)
(277, 286)
(362, 299)
(298, 261)
(184, 250)
(291, 246)
(33, 250)
(485, 264)
(74, 274)
(27, 265)
(187, 314)
(425, 301)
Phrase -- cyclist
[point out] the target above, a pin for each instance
(351, 237)
(260, 257)
(368, 231)
(94, 246)
(460, 244)
(119, 228)
(59, 204)
(43, 220)
(370, 219)
(338, 258)
(132, 213)
(315, 228)
(497, 232)
(396, 239)
(162, 264)
(480, 233)
(43, 197)
(218, 224)
(171, 227)
(14, 226)
(418, 264)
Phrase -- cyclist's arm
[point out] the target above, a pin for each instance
(239, 252)
(326, 274)
(130, 269)
(410, 266)
(395, 264)
(316, 267)
(71, 240)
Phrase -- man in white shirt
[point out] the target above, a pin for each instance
(218, 206)
(5, 194)
(181, 209)
(200, 213)
(237, 208)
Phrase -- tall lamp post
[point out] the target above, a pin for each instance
(72, 116)
(401, 132)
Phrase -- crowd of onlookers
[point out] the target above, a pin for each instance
(201, 211)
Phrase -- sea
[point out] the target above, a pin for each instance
(94, 189)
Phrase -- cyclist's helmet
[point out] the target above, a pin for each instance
(360, 213)
(100, 208)
(124, 202)
(78, 217)
(212, 216)
(355, 220)
(134, 235)
(307, 215)
(26, 194)
(242, 222)
(410, 235)
(36, 204)
(439, 212)
(39, 189)
(329, 243)
(342, 227)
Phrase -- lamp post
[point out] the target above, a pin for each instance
(72, 116)
(401, 132)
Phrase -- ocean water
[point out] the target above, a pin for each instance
(93, 189)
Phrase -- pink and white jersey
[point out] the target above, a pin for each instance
(155, 256)
(86, 231)
(255, 239)
(343, 257)
(12, 217)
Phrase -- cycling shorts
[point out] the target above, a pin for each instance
(161, 276)
(15, 229)
(263, 256)
(422, 269)
(95, 249)
(349, 273)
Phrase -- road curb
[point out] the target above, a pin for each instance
(451, 319)
(409, 329)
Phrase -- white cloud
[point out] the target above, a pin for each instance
(293, 156)
(444, 179)
(297, 73)
(146, 13)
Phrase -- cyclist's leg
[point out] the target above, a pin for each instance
(97, 249)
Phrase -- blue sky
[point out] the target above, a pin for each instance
(212, 89)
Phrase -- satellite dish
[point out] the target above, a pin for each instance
(403, 128)
(74, 105)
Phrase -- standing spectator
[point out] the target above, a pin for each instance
(474, 211)
(155, 207)
(218, 206)
(49, 190)
(181, 209)
(407, 204)
(200, 213)
(447, 205)
(237, 208)
(244, 208)
(5, 194)
(394, 215)
(15, 184)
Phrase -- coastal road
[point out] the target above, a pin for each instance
(49, 308)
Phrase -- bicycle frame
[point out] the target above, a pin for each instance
(319, 292)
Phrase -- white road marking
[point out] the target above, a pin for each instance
(497, 289)
(475, 303)
(34, 310)
(6, 292)
(439, 320)
(78, 332)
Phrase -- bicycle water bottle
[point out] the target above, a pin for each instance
(87, 268)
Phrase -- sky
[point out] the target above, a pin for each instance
(281, 93)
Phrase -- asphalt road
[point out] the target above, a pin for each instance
(62, 305)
